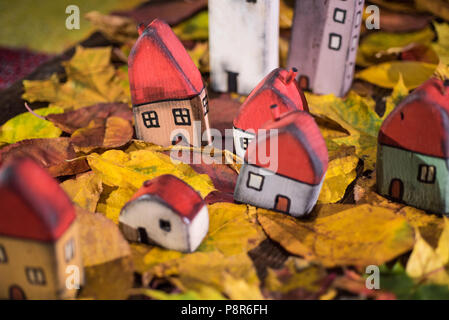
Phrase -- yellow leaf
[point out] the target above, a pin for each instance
(119, 169)
(387, 74)
(91, 79)
(400, 91)
(240, 289)
(101, 240)
(285, 15)
(442, 45)
(84, 190)
(28, 126)
(340, 173)
(342, 235)
(114, 202)
(195, 28)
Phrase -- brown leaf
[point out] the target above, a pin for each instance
(110, 133)
(101, 239)
(52, 154)
(71, 121)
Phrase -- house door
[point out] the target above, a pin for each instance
(143, 236)
(16, 293)
(304, 83)
(282, 204)
(396, 189)
(232, 81)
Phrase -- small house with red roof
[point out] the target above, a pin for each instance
(277, 88)
(284, 165)
(413, 149)
(168, 94)
(168, 212)
(38, 235)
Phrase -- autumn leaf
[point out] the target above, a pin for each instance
(442, 45)
(101, 240)
(194, 28)
(342, 235)
(119, 169)
(84, 190)
(386, 75)
(91, 78)
(110, 133)
(28, 126)
(203, 293)
(70, 121)
(57, 155)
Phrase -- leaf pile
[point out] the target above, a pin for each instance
(86, 140)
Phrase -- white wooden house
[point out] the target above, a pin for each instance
(243, 43)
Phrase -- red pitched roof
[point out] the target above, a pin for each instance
(302, 153)
(33, 205)
(160, 68)
(174, 193)
(279, 87)
(421, 122)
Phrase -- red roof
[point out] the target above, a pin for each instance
(174, 193)
(302, 152)
(33, 205)
(421, 122)
(280, 88)
(159, 67)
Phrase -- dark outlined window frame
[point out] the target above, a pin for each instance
(331, 36)
(427, 174)
(150, 119)
(248, 184)
(3, 255)
(32, 274)
(181, 116)
(337, 11)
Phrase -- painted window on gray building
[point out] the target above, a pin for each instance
(427, 173)
(255, 181)
(335, 41)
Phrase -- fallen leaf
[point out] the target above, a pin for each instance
(91, 78)
(70, 121)
(101, 240)
(84, 190)
(115, 28)
(28, 126)
(57, 155)
(386, 75)
(353, 235)
(194, 28)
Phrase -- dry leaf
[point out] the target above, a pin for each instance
(84, 190)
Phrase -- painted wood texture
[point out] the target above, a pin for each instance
(167, 90)
(325, 36)
(168, 212)
(279, 88)
(38, 234)
(413, 149)
(284, 168)
(243, 43)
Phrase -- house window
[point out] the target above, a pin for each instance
(427, 174)
(255, 181)
(339, 15)
(244, 143)
(358, 20)
(3, 256)
(150, 119)
(69, 250)
(354, 43)
(165, 225)
(35, 276)
(206, 105)
(182, 116)
(334, 41)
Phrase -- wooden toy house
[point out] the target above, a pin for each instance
(168, 212)
(38, 234)
(243, 43)
(413, 149)
(291, 180)
(324, 43)
(280, 88)
(168, 94)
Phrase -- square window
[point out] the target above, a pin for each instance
(182, 116)
(334, 41)
(165, 225)
(255, 181)
(339, 15)
(69, 250)
(358, 20)
(35, 276)
(3, 256)
(205, 105)
(427, 174)
(150, 119)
